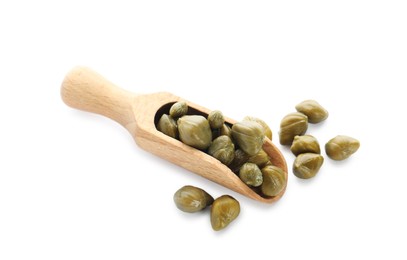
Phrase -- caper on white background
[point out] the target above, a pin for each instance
(74, 185)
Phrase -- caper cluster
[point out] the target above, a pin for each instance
(238, 146)
(293, 124)
(306, 148)
(308, 160)
(192, 199)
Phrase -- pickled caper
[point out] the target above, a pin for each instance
(239, 159)
(307, 165)
(224, 210)
(260, 159)
(168, 126)
(291, 125)
(179, 109)
(223, 149)
(250, 174)
(216, 119)
(274, 180)
(266, 128)
(226, 130)
(195, 131)
(249, 136)
(223, 130)
(192, 199)
(313, 110)
(341, 147)
(305, 144)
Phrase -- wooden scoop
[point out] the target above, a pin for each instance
(84, 89)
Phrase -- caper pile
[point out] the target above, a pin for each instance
(238, 146)
(306, 148)
(224, 209)
(308, 160)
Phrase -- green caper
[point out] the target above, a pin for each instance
(307, 165)
(291, 125)
(168, 126)
(274, 180)
(226, 130)
(250, 174)
(192, 199)
(313, 110)
(341, 147)
(216, 119)
(195, 131)
(179, 109)
(223, 130)
(249, 136)
(224, 210)
(260, 159)
(222, 149)
(266, 128)
(239, 159)
(305, 144)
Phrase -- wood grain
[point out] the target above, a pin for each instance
(86, 90)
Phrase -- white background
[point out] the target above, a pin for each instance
(74, 185)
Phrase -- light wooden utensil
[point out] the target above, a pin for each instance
(85, 89)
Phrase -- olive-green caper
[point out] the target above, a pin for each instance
(341, 147)
(216, 119)
(239, 159)
(223, 130)
(274, 180)
(223, 149)
(179, 109)
(305, 144)
(250, 174)
(224, 210)
(249, 136)
(291, 125)
(260, 159)
(313, 110)
(168, 126)
(192, 199)
(226, 130)
(195, 131)
(266, 128)
(307, 165)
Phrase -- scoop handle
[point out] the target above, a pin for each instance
(86, 90)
